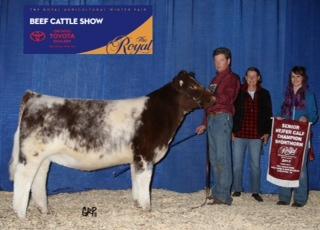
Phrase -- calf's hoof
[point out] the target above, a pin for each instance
(136, 204)
(21, 215)
(146, 208)
(45, 211)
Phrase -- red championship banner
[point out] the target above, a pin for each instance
(289, 141)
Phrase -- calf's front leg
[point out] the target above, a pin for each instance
(141, 178)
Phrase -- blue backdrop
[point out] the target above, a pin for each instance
(271, 35)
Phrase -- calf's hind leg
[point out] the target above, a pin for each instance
(23, 179)
(39, 188)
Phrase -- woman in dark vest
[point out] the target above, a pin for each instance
(251, 128)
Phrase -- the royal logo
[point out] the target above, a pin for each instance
(37, 36)
(125, 45)
(287, 151)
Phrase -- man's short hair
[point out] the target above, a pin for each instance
(222, 50)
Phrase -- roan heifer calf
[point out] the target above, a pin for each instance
(94, 134)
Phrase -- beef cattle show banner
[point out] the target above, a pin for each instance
(289, 141)
(125, 30)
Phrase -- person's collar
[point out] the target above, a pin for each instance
(244, 87)
(225, 72)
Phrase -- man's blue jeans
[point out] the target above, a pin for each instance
(240, 145)
(219, 137)
(301, 193)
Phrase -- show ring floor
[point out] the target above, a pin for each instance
(170, 210)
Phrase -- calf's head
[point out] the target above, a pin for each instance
(193, 95)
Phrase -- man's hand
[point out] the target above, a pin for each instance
(201, 129)
(265, 138)
(303, 119)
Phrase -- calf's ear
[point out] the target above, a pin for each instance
(192, 74)
(182, 72)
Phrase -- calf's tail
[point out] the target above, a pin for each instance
(15, 154)
(16, 142)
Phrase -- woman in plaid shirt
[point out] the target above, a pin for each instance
(251, 128)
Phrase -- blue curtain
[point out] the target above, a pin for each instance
(271, 35)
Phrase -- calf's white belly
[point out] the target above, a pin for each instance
(89, 161)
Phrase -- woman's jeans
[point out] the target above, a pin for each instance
(240, 145)
(301, 193)
(219, 138)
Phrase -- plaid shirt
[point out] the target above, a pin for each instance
(249, 127)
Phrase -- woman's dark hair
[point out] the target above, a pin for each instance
(299, 70)
(298, 100)
(222, 50)
(252, 68)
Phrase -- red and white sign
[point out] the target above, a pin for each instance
(287, 151)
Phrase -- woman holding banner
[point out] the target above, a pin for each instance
(251, 128)
(299, 104)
